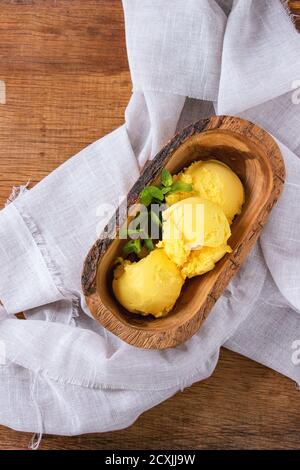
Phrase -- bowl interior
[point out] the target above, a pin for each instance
(255, 172)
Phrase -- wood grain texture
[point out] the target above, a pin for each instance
(243, 405)
(255, 157)
(67, 81)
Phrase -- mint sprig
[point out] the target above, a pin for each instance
(149, 195)
(166, 178)
(180, 187)
(149, 244)
(132, 246)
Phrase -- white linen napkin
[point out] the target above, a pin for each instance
(63, 373)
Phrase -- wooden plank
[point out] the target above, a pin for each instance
(243, 405)
(67, 84)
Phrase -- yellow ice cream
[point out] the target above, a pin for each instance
(204, 260)
(149, 286)
(191, 224)
(214, 181)
(196, 228)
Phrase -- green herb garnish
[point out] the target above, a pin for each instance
(166, 190)
(166, 178)
(181, 187)
(138, 227)
(149, 244)
(149, 194)
(132, 246)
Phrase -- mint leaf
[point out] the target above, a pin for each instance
(149, 244)
(145, 197)
(166, 190)
(132, 246)
(149, 193)
(166, 178)
(181, 187)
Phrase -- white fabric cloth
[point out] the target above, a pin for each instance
(61, 371)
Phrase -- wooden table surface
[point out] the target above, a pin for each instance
(67, 84)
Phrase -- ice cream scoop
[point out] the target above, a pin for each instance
(149, 286)
(191, 224)
(204, 260)
(215, 181)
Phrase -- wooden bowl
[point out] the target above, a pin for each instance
(255, 157)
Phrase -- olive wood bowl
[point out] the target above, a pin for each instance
(255, 157)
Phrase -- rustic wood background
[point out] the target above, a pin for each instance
(67, 83)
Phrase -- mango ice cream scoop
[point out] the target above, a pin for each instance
(149, 286)
(191, 224)
(214, 181)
